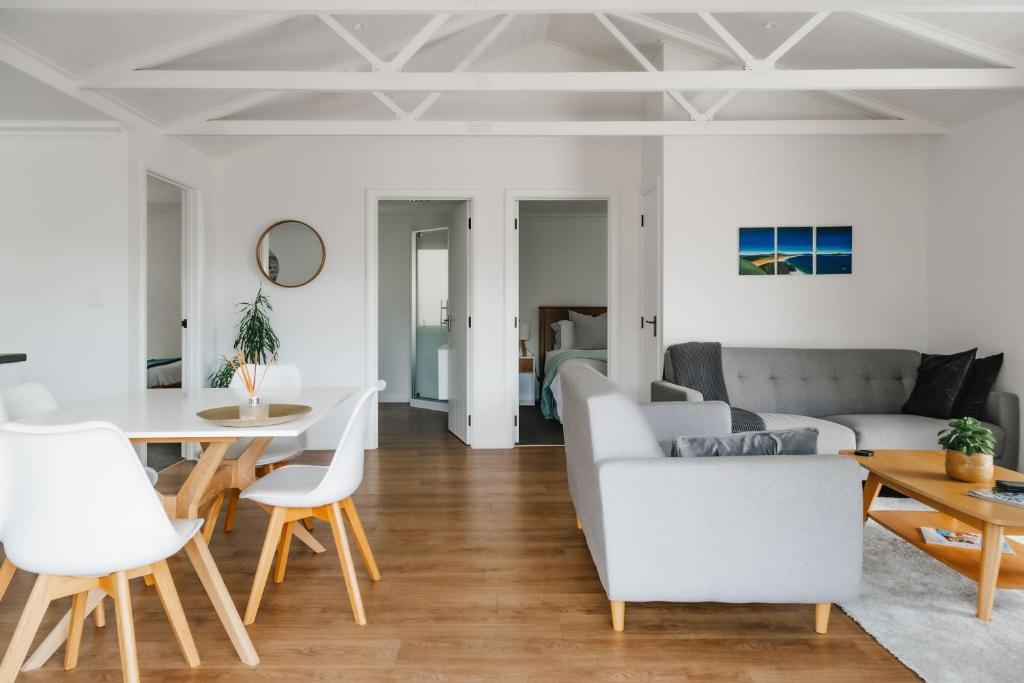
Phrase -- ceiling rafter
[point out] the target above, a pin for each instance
(466, 62)
(240, 104)
(557, 128)
(676, 96)
(749, 60)
(584, 81)
(798, 35)
(943, 38)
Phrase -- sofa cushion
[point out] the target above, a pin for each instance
(779, 442)
(832, 437)
(939, 379)
(910, 432)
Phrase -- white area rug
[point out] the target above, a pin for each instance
(923, 613)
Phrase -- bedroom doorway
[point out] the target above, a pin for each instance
(562, 292)
(423, 306)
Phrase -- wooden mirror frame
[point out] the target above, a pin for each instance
(263, 267)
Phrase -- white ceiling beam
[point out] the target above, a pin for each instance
(507, 6)
(555, 128)
(748, 59)
(586, 81)
(417, 42)
(642, 60)
(59, 129)
(353, 42)
(725, 99)
(681, 35)
(943, 38)
(467, 61)
(260, 98)
(797, 36)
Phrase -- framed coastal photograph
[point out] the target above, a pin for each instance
(757, 251)
(794, 253)
(833, 252)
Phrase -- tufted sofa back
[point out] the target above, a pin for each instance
(817, 382)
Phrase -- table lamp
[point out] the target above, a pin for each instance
(524, 336)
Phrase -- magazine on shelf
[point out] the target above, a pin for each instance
(1016, 499)
(957, 539)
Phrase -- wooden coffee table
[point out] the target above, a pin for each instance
(921, 475)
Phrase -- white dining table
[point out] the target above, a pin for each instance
(169, 416)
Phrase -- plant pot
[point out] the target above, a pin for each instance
(970, 468)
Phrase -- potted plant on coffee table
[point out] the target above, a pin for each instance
(969, 449)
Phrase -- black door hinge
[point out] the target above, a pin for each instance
(515, 224)
(469, 221)
(469, 418)
(515, 322)
(184, 323)
(641, 220)
(470, 320)
(515, 420)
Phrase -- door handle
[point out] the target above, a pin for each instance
(652, 322)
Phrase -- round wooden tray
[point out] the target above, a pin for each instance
(227, 416)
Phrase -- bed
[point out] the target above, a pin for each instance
(552, 358)
(163, 373)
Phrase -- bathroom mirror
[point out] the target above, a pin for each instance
(290, 253)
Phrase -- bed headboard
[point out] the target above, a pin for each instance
(552, 314)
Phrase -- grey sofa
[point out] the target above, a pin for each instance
(778, 529)
(853, 397)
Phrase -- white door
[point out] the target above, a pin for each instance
(516, 322)
(459, 323)
(650, 290)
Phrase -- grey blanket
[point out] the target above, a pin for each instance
(698, 365)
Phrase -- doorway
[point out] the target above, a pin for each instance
(423, 314)
(562, 291)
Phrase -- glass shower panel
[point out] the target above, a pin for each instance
(430, 361)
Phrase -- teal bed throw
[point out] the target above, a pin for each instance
(547, 400)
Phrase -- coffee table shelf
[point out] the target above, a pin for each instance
(907, 525)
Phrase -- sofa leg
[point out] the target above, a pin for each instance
(618, 615)
(579, 524)
(821, 612)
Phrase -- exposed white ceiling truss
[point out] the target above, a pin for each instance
(460, 36)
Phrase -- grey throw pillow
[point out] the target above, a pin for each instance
(777, 442)
(591, 331)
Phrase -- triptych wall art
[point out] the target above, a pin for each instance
(824, 250)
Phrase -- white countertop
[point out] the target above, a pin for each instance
(168, 413)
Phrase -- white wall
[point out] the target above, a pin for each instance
(324, 182)
(714, 185)
(163, 296)
(563, 260)
(976, 234)
(395, 294)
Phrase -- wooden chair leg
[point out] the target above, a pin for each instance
(125, 627)
(308, 523)
(348, 569)
(821, 613)
(75, 627)
(175, 614)
(579, 524)
(259, 582)
(349, 506)
(99, 615)
(211, 517)
(229, 516)
(618, 615)
(25, 631)
(283, 546)
(7, 570)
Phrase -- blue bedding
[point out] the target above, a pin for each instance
(547, 400)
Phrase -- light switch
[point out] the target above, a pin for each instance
(97, 295)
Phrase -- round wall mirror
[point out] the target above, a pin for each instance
(290, 253)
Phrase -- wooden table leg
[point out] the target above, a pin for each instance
(991, 555)
(871, 488)
(199, 554)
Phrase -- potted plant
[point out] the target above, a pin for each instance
(969, 448)
(256, 340)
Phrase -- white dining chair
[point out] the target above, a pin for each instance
(277, 453)
(300, 492)
(82, 515)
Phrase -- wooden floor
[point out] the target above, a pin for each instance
(484, 578)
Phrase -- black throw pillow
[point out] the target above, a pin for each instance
(976, 388)
(939, 379)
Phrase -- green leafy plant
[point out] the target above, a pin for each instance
(968, 436)
(256, 339)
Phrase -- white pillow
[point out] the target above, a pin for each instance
(565, 335)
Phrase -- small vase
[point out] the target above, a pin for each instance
(254, 409)
(970, 468)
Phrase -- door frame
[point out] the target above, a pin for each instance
(511, 371)
(645, 381)
(191, 283)
(373, 197)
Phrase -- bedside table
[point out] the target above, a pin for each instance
(527, 381)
